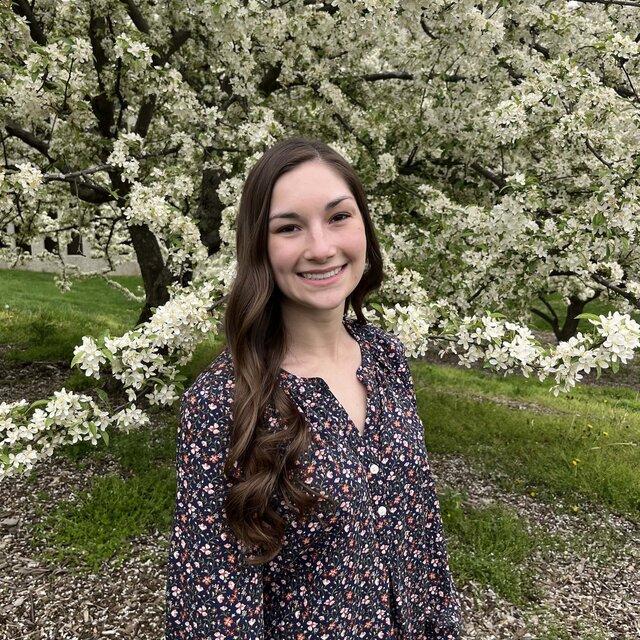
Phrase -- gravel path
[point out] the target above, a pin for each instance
(39, 600)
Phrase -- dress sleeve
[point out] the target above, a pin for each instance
(443, 604)
(211, 593)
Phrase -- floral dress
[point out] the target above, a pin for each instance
(375, 568)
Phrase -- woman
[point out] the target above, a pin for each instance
(305, 504)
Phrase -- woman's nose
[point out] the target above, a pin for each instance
(320, 245)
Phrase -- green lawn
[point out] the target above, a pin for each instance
(589, 451)
(45, 324)
(41, 323)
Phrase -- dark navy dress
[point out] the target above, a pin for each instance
(376, 568)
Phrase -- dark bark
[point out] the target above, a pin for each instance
(155, 275)
(24, 9)
(208, 217)
(569, 329)
(209, 213)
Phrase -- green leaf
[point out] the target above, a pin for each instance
(105, 437)
(37, 403)
(588, 316)
(102, 394)
(76, 359)
(598, 219)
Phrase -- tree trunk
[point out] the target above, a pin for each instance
(155, 275)
(570, 326)
(208, 217)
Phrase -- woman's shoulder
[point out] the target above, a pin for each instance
(386, 343)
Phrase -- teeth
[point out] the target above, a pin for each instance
(321, 276)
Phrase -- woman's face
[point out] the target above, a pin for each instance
(312, 237)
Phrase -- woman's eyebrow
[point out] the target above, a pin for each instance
(296, 216)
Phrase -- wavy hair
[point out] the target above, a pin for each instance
(256, 340)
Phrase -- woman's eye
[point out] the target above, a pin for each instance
(286, 228)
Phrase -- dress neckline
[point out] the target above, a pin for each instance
(365, 373)
(354, 329)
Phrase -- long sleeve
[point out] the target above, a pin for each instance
(443, 605)
(211, 593)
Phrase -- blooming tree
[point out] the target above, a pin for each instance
(496, 140)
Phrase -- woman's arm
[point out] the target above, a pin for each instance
(443, 605)
(211, 593)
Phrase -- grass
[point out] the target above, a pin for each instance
(41, 323)
(575, 455)
(104, 521)
(101, 523)
(491, 546)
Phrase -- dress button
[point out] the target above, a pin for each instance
(382, 510)
(374, 468)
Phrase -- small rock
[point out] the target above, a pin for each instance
(9, 522)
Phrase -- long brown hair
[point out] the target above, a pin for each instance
(256, 341)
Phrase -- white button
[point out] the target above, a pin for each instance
(382, 510)
(374, 468)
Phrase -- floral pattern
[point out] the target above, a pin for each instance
(376, 568)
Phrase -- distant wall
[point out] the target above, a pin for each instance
(77, 252)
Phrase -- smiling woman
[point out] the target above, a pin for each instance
(305, 505)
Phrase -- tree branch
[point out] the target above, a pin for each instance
(612, 287)
(136, 16)
(145, 115)
(622, 3)
(24, 9)
(71, 176)
(177, 40)
(28, 138)
(489, 175)
(89, 192)
(595, 152)
(388, 75)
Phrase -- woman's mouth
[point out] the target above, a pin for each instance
(323, 278)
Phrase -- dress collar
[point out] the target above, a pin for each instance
(367, 366)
